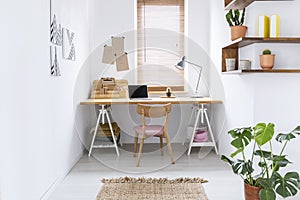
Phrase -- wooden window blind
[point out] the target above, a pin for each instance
(160, 22)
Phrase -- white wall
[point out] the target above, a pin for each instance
(38, 146)
(260, 97)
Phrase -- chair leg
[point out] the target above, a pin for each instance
(161, 146)
(136, 138)
(169, 148)
(140, 152)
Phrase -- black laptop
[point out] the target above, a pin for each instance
(138, 91)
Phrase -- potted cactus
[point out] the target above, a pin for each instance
(236, 20)
(267, 60)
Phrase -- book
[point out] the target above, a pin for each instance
(274, 26)
(263, 26)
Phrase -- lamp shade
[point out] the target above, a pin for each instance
(181, 64)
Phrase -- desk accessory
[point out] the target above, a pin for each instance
(181, 65)
(109, 88)
(168, 92)
(138, 91)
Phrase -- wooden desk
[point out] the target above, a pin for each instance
(199, 107)
(177, 100)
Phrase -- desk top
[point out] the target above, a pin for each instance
(177, 100)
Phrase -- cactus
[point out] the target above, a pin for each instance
(266, 52)
(235, 19)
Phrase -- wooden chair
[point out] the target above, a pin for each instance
(161, 131)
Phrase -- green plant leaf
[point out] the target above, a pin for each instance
(227, 160)
(284, 137)
(280, 161)
(242, 137)
(228, 18)
(236, 152)
(288, 185)
(243, 17)
(288, 136)
(237, 17)
(267, 194)
(296, 130)
(263, 133)
(262, 164)
(265, 183)
(242, 167)
(262, 153)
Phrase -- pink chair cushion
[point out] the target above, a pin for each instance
(150, 130)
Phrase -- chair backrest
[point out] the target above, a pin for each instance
(153, 111)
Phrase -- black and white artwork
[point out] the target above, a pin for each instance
(54, 64)
(68, 46)
(55, 31)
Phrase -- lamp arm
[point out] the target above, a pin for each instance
(200, 71)
(193, 64)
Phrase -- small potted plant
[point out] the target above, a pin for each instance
(236, 21)
(267, 60)
(263, 181)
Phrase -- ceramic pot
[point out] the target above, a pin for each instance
(267, 61)
(238, 31)
(251, 192)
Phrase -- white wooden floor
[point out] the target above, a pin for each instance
(83, 181)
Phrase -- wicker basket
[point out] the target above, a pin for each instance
(104, 131)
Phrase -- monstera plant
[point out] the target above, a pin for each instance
(261, 168)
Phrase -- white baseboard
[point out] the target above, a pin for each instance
(59, 179)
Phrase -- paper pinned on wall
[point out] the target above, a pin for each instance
(108, 55)
(118, 45)
(122, 62)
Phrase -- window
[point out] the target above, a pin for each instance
(160, 25)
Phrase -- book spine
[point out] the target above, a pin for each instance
(263, 26)
(275, 26)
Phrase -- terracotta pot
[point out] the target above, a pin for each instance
(267, 61)
(238, 31)
(251, 192)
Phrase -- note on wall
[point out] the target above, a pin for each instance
(118, 45)
(108, 55)
(122, 62)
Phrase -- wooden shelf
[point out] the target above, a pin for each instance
(245, 41)
(241, 4)
(249, 71)
(231, 51)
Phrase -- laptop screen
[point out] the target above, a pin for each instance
(138, 91)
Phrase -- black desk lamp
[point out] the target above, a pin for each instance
(181, 64)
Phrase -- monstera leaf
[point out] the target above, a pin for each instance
(242, 138)
(288, 185)
(240, 166)
(263, 133)
(287, 137)
(267, 194)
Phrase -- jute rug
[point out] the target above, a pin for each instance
(150, 188)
